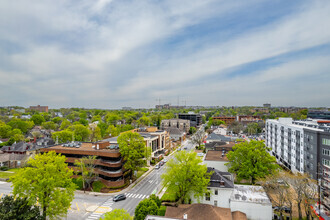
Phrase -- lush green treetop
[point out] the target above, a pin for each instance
(251, 160)
(132, 148)
(186, 175)
(48, 181)
(117, 214)
(18, 209)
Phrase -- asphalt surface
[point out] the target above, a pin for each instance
(91, 207)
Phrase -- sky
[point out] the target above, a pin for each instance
(115, 53)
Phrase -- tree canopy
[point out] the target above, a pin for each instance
(186, 175)
(47, 180)
(149, 206)
(251, 160)
(132, 149)
(117, 214)
(19, 209)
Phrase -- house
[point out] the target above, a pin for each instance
(12, 160)
(221, 187)
(253, 201)
(220, 131)
(203, 212)
(176, 135)
(216, 137)
(216, 159)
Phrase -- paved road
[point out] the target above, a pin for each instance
(85, 206)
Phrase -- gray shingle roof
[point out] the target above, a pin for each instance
(218, 177)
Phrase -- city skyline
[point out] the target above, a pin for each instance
(110, 54)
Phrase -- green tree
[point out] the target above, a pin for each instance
(144, 121)
(83, 121)
(47, 180)
(19, 209)
(81, 133)
(49, 125)
(57, 120)
(186, 175)
(37, 119)
(5, 130)
(24, 126)
(63, 136)
(103, 127)
(192, 130)
(95, 133)
(132, 149)
(117, 214)
(144, 208)
(112, 131)
(86, 167)
(65, 124)
(251, 160)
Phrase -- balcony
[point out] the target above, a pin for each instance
(109, 173)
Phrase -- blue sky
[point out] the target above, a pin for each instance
(115, 53)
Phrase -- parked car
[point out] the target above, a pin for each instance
(119, 197)
(161, 163)
(165, 160)
(157, 166)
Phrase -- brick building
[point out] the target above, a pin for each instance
(39, 108)
(109, 166)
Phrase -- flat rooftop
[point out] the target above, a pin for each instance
(215, 155)
(84, 146)
(248, 193)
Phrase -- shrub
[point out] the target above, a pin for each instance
(161, 211)
(79, 183)
(97, 186)
(144, 169)
(4, 168)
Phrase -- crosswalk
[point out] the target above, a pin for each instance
(106, 206)
(136, 196)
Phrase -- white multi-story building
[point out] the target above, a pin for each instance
(286, 141)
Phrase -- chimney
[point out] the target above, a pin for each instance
(185, 216)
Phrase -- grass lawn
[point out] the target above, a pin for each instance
(8, 173)
(140, 172)
(168, 197)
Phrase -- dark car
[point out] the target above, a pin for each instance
(161, 163)
(119, 197)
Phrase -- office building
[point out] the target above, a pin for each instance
(195, 119)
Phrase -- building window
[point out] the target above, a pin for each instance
(215, 203)
(215, 192)
(326, 141)
(326, 162)
(326, 152)
(207, 196)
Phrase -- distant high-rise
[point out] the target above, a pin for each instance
(267, 105)
(39, 108)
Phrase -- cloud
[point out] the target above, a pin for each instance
(111, 53)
